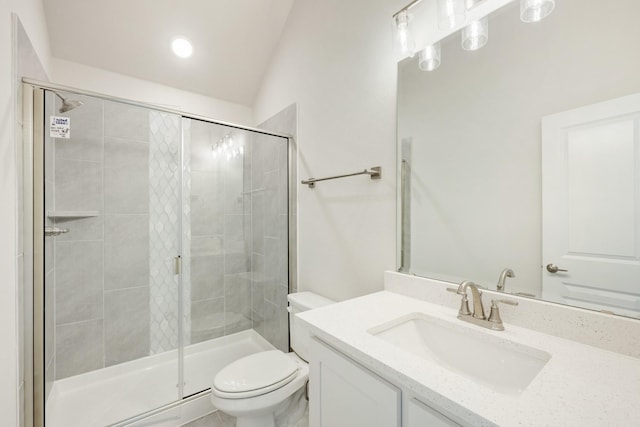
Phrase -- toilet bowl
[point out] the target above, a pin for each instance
(258, 399)
(259, 387)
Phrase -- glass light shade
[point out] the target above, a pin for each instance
(451, 13)
(405, 38)
(476, 34)
(429, 57)
(535, 10)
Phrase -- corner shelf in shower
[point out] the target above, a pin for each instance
(71, 214)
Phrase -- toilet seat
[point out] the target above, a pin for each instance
(254, 375)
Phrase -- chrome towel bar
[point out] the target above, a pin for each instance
(375, 173)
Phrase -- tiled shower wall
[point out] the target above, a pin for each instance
(219, 234)
(270, 233)
(239, 236)
(164, 231)
(114, 295)
(102, 264)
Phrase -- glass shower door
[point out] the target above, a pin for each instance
(112, 286)
(235, 247)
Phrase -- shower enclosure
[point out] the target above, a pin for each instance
(160, 254)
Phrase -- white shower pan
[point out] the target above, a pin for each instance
(111, 395)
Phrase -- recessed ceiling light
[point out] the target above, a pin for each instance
(182, 47)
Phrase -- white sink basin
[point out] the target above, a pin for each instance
(502, 365)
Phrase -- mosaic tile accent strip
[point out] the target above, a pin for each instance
(164, 230)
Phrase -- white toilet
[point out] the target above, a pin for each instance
(257, 387)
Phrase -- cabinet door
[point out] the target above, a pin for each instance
(421, 415)
(345, 394)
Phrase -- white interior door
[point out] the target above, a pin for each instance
(591, 206)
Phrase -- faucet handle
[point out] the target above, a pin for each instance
(464, 304)
(494, 315)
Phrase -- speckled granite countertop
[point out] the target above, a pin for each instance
(579, 386)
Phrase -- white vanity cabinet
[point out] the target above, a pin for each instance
(343, 393)
(419, 414)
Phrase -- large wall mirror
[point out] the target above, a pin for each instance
(525, 155)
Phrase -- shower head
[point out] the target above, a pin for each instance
(68, 104)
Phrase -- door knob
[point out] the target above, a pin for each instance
(551, 268)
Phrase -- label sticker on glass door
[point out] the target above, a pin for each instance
(60, 127)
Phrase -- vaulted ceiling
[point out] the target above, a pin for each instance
(233, 40)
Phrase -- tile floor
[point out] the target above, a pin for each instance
(220, 419)
(217, 419)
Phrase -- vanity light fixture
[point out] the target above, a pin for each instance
(476, 34)
(405, 38)
(429, 57)
(451, 13)
(535, 10)
(182, 47)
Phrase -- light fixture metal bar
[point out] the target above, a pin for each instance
(407, 7)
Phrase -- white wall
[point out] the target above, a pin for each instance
(336, 61)
(106, 82)
(8, 294)
(31, 14)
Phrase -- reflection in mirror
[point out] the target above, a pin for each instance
(524, 155)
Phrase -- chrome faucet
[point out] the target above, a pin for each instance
(477, 317)
(507, 272)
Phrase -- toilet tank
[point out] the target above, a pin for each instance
(299, 302)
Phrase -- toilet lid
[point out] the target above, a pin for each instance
(255, 374)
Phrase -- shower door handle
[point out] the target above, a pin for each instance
(54, 231)
(177, 265)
